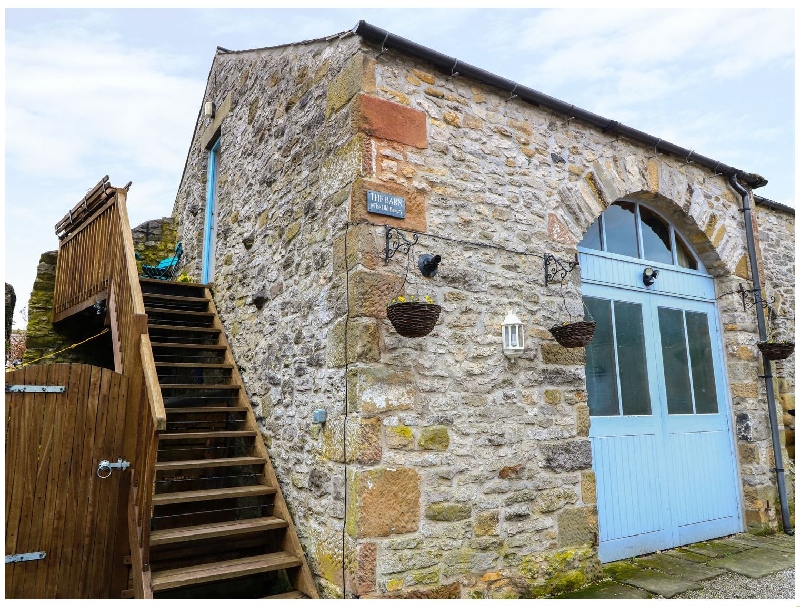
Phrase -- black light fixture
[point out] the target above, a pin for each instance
(100, 307)
(429, 264)
(649, 276)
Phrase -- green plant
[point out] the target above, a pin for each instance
(184, 277)
(411, 299)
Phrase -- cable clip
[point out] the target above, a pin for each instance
(453, 72)
(513, 96)
(383, 46)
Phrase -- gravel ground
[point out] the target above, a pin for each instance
(734, 586)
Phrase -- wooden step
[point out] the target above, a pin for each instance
(173, 312)
(204, 435)
(181, 328)
(221, 462)
(172, 283)
(204, 495)
(215, 530)
(210, 572)
(200, 386)
(175, 298)
(179, 345)
(201, 410)
(195, 365)
(295, 594)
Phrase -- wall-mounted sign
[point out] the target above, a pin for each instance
(386, 204)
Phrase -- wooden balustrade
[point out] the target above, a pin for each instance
(96, 261)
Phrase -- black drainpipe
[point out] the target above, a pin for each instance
(762, 335)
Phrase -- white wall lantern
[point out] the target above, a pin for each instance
(513, 336)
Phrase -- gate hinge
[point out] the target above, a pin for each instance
(28, 556)
(37, 389)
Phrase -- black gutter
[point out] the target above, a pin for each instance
(762, 336)
(452, 66)
(771, 204)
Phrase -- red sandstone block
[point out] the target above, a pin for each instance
(388, 120)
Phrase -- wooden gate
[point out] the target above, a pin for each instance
(55, 501)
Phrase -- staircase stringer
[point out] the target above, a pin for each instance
(302, 579)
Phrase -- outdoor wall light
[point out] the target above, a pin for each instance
(649, 276)
(429, 264)
(513, 336)
(208, 109)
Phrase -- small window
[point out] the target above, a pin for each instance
(655, 237)
(633, 230)
(620, 227)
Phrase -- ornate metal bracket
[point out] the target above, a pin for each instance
(556, 270)
(396, 240)
(755, 298)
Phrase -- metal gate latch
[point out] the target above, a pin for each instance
(105, 466)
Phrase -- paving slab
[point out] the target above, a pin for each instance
(679, 567)
(688, 555)
(714, 549)
(758, 562)
(768, 541)
(660, 583)
(606, 590)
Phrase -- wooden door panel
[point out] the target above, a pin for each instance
(55, 503)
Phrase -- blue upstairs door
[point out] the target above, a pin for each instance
(210, 228)
(662, 441)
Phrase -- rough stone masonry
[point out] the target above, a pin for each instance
(444, 470)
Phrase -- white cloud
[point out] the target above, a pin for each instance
(80, 104)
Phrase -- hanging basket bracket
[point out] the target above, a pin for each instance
(397, 241)
(556, 270)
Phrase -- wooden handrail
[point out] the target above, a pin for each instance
(96, 259)
(151, 382)
(129, 253)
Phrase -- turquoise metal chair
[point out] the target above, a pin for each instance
(166, 268)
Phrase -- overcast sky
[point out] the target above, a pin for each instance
(116, 92)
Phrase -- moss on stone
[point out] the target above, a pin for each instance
(427, 577)
(443, 511)
(435, 438)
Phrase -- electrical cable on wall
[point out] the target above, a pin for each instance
(344, 431)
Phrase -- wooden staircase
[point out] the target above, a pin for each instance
(220, 527)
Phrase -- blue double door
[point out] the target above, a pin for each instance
(662, 444)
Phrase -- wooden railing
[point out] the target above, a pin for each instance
(96, 262)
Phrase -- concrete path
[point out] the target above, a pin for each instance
(671, 573)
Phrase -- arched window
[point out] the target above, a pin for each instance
(631, 229)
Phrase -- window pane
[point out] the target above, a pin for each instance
(591, 240)
(685, 258)
(676, 363)
(632, 359)
(601, 376)
(620, 225)
(705, 387)
(655, 237)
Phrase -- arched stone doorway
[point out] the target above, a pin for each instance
(661, 428)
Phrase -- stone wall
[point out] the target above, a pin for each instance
(776, 238)
(451, 471)
(45, 338)
(283, 163)
(155, 240)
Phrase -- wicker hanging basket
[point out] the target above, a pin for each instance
(574, 334)
(776, 350)
(412, 318)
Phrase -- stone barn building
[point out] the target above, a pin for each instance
(444, 467)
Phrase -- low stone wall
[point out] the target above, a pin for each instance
(45, 338)
(155, 240)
